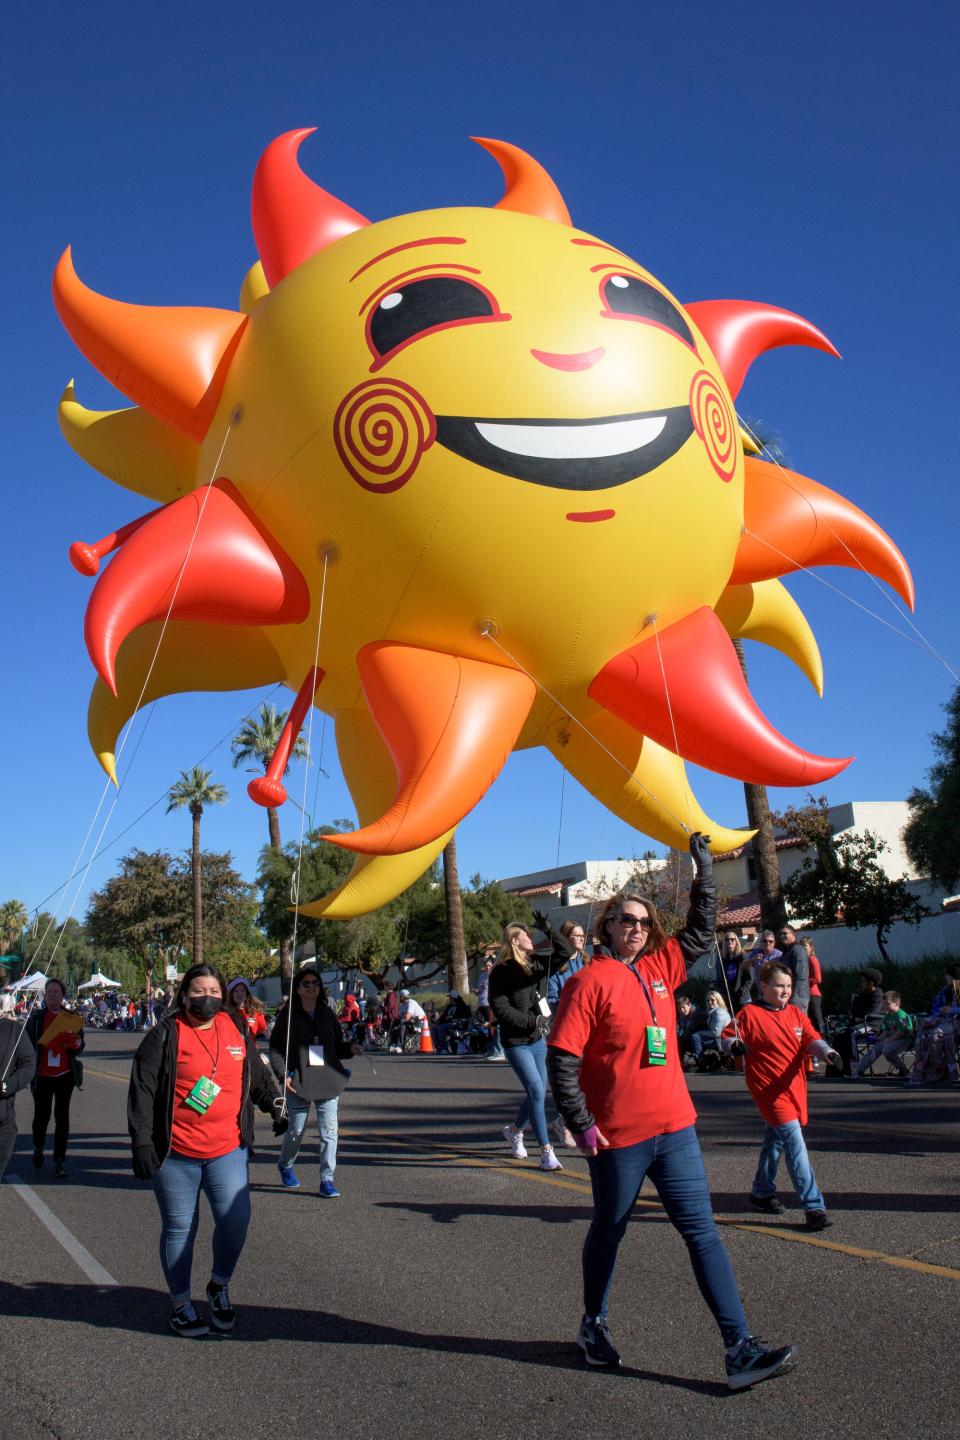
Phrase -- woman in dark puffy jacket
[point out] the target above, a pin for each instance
(309, 1063)
(522, 1014)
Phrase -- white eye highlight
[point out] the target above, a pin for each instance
(620, 281)
(389, 302)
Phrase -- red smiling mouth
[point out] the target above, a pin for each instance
(585, 517)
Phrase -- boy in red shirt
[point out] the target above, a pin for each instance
(776, 1039)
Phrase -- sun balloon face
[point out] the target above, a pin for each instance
(506, 459)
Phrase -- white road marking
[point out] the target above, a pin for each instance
(91, 1268)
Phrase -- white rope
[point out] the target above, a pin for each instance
(921, 642)
(129, 730)
(295, 878)
(489, 635)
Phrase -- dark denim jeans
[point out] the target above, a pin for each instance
(675, 1166)
(177, 1185)
(529, 1064)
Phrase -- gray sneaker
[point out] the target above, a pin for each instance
(752, 1361)
(596, 1343)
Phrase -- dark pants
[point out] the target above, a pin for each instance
(816, 1013)
(8, 1138)
(675, 1166)
(52, 1092)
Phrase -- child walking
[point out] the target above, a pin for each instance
(776, 1039)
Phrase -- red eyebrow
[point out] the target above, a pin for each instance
(599, 245)
(410, 245)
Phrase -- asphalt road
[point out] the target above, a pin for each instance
(441, 1295)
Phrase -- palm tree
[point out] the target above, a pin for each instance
(457, 970)
(257, 740)
(13, 922)
(192, 792)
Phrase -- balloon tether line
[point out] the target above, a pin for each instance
(295, 879)
(488, 634)
(922, 642)
(103, 829)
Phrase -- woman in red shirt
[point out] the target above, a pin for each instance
(191, 1123)
(245, 1008)
(57, 1037)
(815, 1008)
(618, 1082)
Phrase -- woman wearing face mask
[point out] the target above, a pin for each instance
(190, 1117)
(617, 1080)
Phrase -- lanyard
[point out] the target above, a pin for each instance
(214, 1058)
(643, 986)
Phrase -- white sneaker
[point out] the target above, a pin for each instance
(563, 1134)
(514, 1139)
(549, 1161)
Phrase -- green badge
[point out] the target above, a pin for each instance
(656, 1045)
(202, 1095)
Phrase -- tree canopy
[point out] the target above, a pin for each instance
(932, 834)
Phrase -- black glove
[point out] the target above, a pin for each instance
(541, 922)
(700, 850)
(281, 1125)
(146, 1162)
(737, 1047)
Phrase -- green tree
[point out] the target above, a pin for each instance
(932, 834)
(457, 978)
(257, 740)
(193, 791)
(13, 921)
(843, 882)
(143, 910)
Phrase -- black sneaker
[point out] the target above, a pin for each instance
(769, 1204)
(223, 1317)
(37, 1159)
(185, 1321)
(594, 1340)
(752, 1361)
(818, 1220)
(59, 1170)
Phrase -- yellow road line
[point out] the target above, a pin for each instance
(581, 1186)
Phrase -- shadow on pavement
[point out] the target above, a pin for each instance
(449, 1214)
(145, 1311)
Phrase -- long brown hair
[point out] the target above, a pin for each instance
(509, 950)
(657, 937)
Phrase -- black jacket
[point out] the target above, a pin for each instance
(16, 1052)
(153, 1081)
(311, 1082)
(695, 939)
(514, 992)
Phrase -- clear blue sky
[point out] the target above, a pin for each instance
(802, 154)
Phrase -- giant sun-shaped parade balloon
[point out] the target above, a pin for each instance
(505, 460)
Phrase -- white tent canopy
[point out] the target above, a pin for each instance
(99, 981)
(36, 981)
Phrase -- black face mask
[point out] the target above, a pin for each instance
(204, 1007)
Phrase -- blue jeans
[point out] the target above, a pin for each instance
(675, 1166)
(787, 1140)
(327, 1127)
(529, 1064)
(702, 1040)
(177, 1185)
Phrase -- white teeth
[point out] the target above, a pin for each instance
(574, 442)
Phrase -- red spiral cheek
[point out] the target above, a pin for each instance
(381, 429)
(714, 424)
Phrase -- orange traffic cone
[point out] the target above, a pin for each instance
(426, 1039)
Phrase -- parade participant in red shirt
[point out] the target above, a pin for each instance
(776, 1039)
(243, 1004)
(57, 1036)
(191, 1125)
(618, 1083)
(815, 1010)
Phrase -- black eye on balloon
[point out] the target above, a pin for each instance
(425, 305)
(632, 297)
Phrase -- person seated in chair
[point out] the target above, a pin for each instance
(717, 1019)
(867, 1010)
(457, 1012)
(896, 1035)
